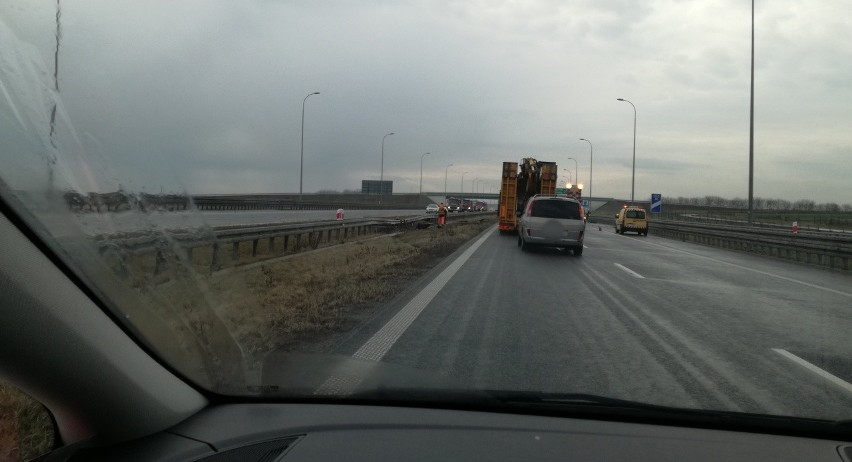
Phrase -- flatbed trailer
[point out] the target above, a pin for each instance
(520, 182)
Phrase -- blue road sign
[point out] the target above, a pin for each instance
(656, 203)
(585, 203)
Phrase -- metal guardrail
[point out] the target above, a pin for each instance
(827, 249)
(290, 236)
(826, 225)
(813, 234)
(248, 203)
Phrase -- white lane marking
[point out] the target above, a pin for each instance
(816, 370)
(673, 342)
(629, 271)
(783, 278)
(338, 385)
(378, 345)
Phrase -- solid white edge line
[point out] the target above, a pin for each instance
(381, 342)
(629, 271)
(816, 370)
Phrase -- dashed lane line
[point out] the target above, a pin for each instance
(765, 273)
(629, 271)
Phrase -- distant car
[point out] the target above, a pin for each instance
(432, 208)
(631, 218)
(550, 221)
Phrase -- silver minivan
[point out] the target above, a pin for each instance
(552, 221)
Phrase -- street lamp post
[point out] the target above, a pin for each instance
(591, 161)
(751, 127)
(633, 181)
(462, 182)
(302, 146)
(382, 171)
(421, 171)
(569, 175)
(576, 173)
(445, 179)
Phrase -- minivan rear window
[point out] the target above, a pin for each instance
(640, 214)
(556, 209)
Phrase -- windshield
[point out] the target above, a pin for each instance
(243, 185)
(640, 214)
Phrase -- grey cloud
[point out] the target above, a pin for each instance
(208, 96)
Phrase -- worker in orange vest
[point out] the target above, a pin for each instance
(442, 214)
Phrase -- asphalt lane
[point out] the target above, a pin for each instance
(642, 318)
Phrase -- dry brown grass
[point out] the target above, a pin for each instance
(299, 299)
(26, 428)
(285, 303)
(292, 301)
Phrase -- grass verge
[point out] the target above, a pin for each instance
(26, 428)
(296, 302)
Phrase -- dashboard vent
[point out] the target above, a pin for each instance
(268, 451)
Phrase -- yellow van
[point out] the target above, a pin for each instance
(632, 218)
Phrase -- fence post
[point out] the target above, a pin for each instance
(159, 262)
(215, 262)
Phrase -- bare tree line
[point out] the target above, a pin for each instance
(760, 203)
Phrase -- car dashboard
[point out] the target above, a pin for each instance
(294, 432)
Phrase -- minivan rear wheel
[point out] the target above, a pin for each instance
(578, 251)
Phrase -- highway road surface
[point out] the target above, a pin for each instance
(639, 318)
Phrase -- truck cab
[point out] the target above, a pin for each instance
(454, 204)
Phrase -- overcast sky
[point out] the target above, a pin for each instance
(207, 96)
